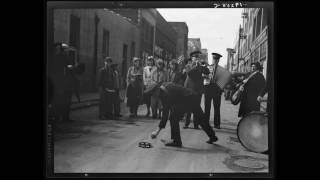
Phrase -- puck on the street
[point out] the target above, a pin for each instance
(145, 144)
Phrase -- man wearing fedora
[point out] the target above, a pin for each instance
(194, 81)
(213, 93)
(116, 102)
(107, 90)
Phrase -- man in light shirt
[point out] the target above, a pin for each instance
(147, 79)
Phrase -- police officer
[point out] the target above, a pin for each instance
(180, 100)
(194, 81)
(213, 93)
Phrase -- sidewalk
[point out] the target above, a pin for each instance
(89, 99)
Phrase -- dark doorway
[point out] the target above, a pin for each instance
(124, 64)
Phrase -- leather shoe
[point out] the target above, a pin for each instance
(217, 127)
(212, 140)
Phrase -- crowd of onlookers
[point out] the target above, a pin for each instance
(142, 78)
(139, 80)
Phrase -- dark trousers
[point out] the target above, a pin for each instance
(116, 103)
(134, 109)
(107, 100)
(189, 105)
(195, 118)
(61, 105)
(166, 114)
(212, 93)
(66, 105)
(147, 99)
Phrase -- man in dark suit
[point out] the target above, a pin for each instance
(179, 100)
(63, 72)
(213, 93)
(194, 81)
(116, 103)
(107, 90)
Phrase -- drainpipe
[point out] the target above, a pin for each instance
(95, 51)
(239, 48)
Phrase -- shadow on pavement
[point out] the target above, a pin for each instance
(215, 148)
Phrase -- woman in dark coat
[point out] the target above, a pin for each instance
(251, 90)
(135, 86)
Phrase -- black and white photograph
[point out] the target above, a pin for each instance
(160, 89)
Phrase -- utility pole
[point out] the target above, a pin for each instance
(239, 47)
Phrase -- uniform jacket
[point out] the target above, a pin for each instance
(194, 78)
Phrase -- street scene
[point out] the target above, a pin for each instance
(92, 145)
(158, 90)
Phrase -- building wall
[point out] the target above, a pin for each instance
(254, 47)
(145, 19)
(132, 14)
(182, 38)
(166, 39)
(204, 55)
(194, 44)
(121, 31)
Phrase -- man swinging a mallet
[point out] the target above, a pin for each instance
(179, 100)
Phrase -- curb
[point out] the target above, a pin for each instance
(85, 104)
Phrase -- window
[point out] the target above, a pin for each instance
(256, 55)
(133, 49)
(105, 43)
(249, 41)
(263, 50)
(264, 18)
(254, 29)
(74, 37)
(259, 16)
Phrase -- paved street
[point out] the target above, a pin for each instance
(92, 145)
